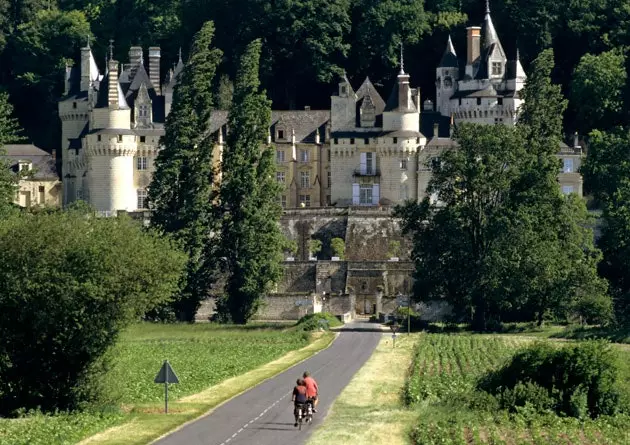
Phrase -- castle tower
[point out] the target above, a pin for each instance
(447, 74)
(343, 109)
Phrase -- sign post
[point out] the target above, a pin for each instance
(394, 328)
(166, 375)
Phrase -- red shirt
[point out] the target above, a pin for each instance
(311, 387)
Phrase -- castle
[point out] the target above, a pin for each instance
(363, 151)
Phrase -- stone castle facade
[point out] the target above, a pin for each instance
(363, 151)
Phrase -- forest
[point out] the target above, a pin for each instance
(306, 45)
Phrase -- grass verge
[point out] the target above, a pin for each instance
(147, 422)
(370, 410)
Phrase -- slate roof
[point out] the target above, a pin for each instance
(43, 162)
(367, 88)
(449, 58)
(429, 118)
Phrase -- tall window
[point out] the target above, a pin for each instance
(329, 180)
(306, 200)
(328, 155)
(279, 156)
(280, 134)
(141, 163)
(283, 201)
(403, 164)
(365, 195)
(303, 155)
(369, 160)
(305, 179)
(280, 177)
(142, 198)
(497, 69)
(567, 165)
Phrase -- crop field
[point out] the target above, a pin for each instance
(201, 355)
(441, 388)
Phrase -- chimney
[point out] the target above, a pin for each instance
(135, 58)
(473, 37)
(112, 84)
(576, 140)
(154, 67)
(403, 92)
(451, 127)
(85, 68)
(436, 129)
(307, 108)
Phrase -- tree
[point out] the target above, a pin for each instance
(607, 163)
(181, 191)
(65, 295)
(9, 132)
(250, 242)
(597, 90)
(42, 47)
(615, 244)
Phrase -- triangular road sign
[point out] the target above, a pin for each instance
(166, 374)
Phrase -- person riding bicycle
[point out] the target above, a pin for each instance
(299, 398)
(312, 390)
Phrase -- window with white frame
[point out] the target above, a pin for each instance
(305, 179)
(305, 200)
(25, 165)
(567, 165)
(365, 194)
(566, 189)
(142, 198)
(303, 155)
(280, 177)
(367, 163)
(143, 111)
(497, 68)
(283, 201)
(141, 163)
(279, 156)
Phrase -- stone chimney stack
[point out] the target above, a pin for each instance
(473, 38)
(135, 58)
(85, 67)
(112, 84)
(154, 67)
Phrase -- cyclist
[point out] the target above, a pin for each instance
(312, 389)
(299, 398)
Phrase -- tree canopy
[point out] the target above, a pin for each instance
(181, 191)
(67, 288)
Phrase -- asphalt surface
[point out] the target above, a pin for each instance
(264, 414)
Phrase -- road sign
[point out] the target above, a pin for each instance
(166, 376)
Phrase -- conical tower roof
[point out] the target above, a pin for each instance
(449, 59)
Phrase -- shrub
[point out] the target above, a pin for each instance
(315, 246)
(320, 320)
(65, 294)
(580, 379)
(339, 247)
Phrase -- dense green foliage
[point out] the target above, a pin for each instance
(321, 320)
(501, 241)
(441, 388)
(181, 191)
(250, 243)
(69, 283)
(578, 380)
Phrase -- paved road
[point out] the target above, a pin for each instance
(264, 414)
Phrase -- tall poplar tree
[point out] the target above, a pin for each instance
(9, 132)
(181, 190)
(250, 241)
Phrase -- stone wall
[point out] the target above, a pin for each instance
(299, 277)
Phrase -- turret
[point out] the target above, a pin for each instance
(343, 106)
(447, 74)
(400, 111)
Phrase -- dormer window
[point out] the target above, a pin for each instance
(497, 68)
(25, 165)
(344, 89)
(143, 111)
(280, 134)
(120, 139)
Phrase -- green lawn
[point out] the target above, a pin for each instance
(202, 355)
(440, 388)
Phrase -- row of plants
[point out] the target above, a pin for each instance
(474, 389)
(338, 248)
